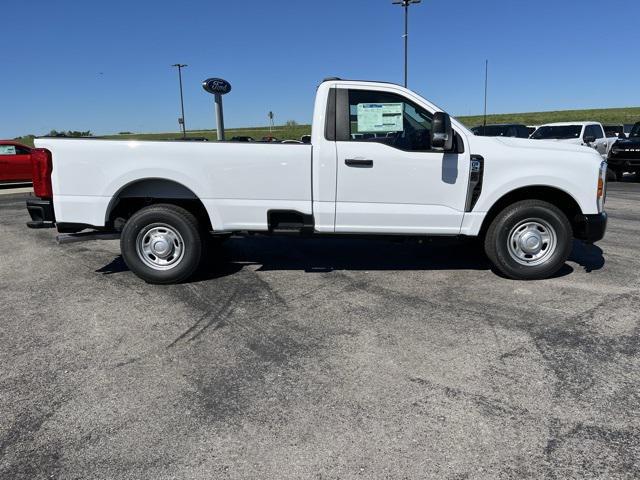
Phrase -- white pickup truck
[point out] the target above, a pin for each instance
(382, 161)
(589, 134)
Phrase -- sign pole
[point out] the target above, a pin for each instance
(219, 116)
(218, 87)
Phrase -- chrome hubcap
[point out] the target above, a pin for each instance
(532, 242)
(160, 246)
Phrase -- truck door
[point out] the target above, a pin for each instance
(601, 141)
(389, 179)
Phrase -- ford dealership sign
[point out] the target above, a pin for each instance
(216, 85)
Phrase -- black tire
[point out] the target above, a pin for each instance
(503, 228)
(184, 235)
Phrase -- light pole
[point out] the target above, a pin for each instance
(180, 66)
(486, 86)
(405, 4)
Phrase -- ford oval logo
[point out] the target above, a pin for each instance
(216, 85)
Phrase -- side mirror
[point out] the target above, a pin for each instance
(589, 139)
(441, 132)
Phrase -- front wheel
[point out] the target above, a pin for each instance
(529, 240)
(162, 244)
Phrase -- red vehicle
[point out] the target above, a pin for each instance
(15, 162)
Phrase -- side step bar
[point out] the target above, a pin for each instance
(64, 238)
(289, 222)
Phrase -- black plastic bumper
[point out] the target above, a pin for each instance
(591, 228)
(41, 212)
(618, 163)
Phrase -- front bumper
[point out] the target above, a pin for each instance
(618, 163)
(41, 212)
(591, 228)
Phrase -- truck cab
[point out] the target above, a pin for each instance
(375, 158)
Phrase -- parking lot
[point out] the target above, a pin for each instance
(293, 358)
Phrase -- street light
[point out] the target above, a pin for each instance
(405, 4)
(180, 66)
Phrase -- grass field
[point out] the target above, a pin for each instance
(605, 116)
(614, 116)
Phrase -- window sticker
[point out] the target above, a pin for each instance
(379, 117)
(7, 149)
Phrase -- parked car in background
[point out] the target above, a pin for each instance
(531, 129)
(502, 130)
(269, 139)
(614, 131)
(421, 174)
(625, 155)
(15, 162)
(627, 127)
(242, 139)
(590, 134)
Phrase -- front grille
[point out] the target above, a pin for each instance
(625, 153)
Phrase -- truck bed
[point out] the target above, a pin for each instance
(237, 182)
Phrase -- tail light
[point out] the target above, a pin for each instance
(41, 168)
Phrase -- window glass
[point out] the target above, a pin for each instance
(557, 132)
(512, 132)
(492, 131)
(390, 119)
(7, 149)
(613, 130)
(588, 132)
(599, 133)
(22, 151)
(593, 131)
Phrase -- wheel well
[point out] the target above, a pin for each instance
(143, 193)
(557, 197)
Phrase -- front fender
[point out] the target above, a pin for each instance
(490, 197)
(510, 164)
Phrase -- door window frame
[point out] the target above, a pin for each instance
(343, 118)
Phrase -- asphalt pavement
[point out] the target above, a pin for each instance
(322, 358)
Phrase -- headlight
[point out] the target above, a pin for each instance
(602, 186)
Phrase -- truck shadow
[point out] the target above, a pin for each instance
(332, 254)
(589, 257)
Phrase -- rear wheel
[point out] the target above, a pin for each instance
(162, 244)
(529, 240)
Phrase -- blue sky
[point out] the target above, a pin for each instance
(105, 66)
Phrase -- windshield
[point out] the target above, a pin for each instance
(557, 132)
(635, 132)
(492, 130)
